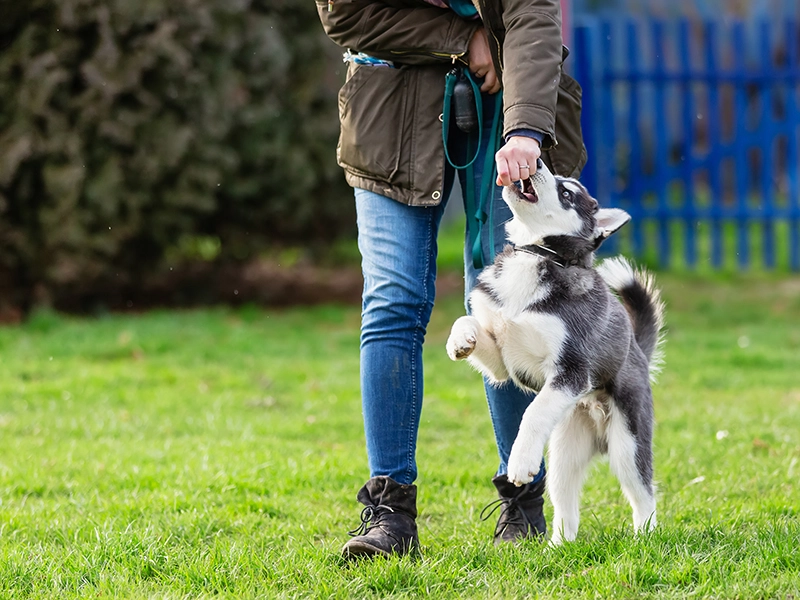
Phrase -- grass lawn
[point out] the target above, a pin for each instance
(218, 453)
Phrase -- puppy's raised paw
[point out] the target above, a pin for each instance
(521, 469)
(519, 477)
(462, 340)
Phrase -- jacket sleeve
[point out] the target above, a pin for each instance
(419, 35)
(531, 64)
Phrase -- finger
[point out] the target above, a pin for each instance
(525, 171)
(503, 177)
(530, 161)
(529, 158)
(496, 87)
(491, 84)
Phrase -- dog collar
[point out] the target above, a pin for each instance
(545, 252)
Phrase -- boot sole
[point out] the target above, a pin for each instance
(357, 549)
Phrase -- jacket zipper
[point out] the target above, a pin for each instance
(453, 57)
(499, 53)
(488, 16)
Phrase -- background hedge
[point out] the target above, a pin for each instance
(131, 129)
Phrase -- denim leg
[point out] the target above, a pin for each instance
(398, 250)
(507, 402)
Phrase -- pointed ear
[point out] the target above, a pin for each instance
(609, 221)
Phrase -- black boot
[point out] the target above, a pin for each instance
(388, 522)
(521, 514)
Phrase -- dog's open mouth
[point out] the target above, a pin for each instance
(527, 191)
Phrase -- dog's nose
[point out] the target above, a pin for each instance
(539, 163)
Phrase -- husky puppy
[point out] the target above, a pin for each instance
(545, 318)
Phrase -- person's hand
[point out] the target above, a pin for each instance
(480, 61)
(517, 159)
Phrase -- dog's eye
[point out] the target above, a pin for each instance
(566, 194)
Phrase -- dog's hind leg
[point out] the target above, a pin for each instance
(570, 451)
(631, 462)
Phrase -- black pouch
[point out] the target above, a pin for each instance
(568, 156)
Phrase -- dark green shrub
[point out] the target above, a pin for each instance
(128, 125)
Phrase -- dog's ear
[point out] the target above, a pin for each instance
(608, 222)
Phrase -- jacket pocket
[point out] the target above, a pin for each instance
(372, 113)
(568, 157)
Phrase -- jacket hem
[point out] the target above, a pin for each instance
(402, 195)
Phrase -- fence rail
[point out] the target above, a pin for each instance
(694, 129)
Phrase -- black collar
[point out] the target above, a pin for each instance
(566, 250)
(545, 252)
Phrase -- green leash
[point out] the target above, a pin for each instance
(477, 216)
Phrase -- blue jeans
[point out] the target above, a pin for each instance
(398, 248)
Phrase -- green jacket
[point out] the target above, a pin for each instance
(391, 133)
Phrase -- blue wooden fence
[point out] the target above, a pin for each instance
(694, 129)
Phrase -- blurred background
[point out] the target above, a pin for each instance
(181, 153)
(691, 121)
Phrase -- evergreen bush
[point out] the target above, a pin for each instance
(130, 126)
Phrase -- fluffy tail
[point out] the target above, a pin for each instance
(642, 299)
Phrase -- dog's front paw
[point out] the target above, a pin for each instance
(523, 465)
(462, 340)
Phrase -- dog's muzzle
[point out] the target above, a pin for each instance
(526, 191)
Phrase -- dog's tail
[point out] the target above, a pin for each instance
(642, 299)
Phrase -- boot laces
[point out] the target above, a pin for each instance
(371, 517)
(511, 514)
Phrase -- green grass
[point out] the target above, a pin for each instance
(218, 453)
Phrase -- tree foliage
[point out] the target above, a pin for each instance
(126, 126)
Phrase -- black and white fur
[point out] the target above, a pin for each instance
(545, 318)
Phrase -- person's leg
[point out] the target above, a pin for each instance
(398, 248)
(521, 509)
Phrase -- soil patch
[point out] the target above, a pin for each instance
(262, 282)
